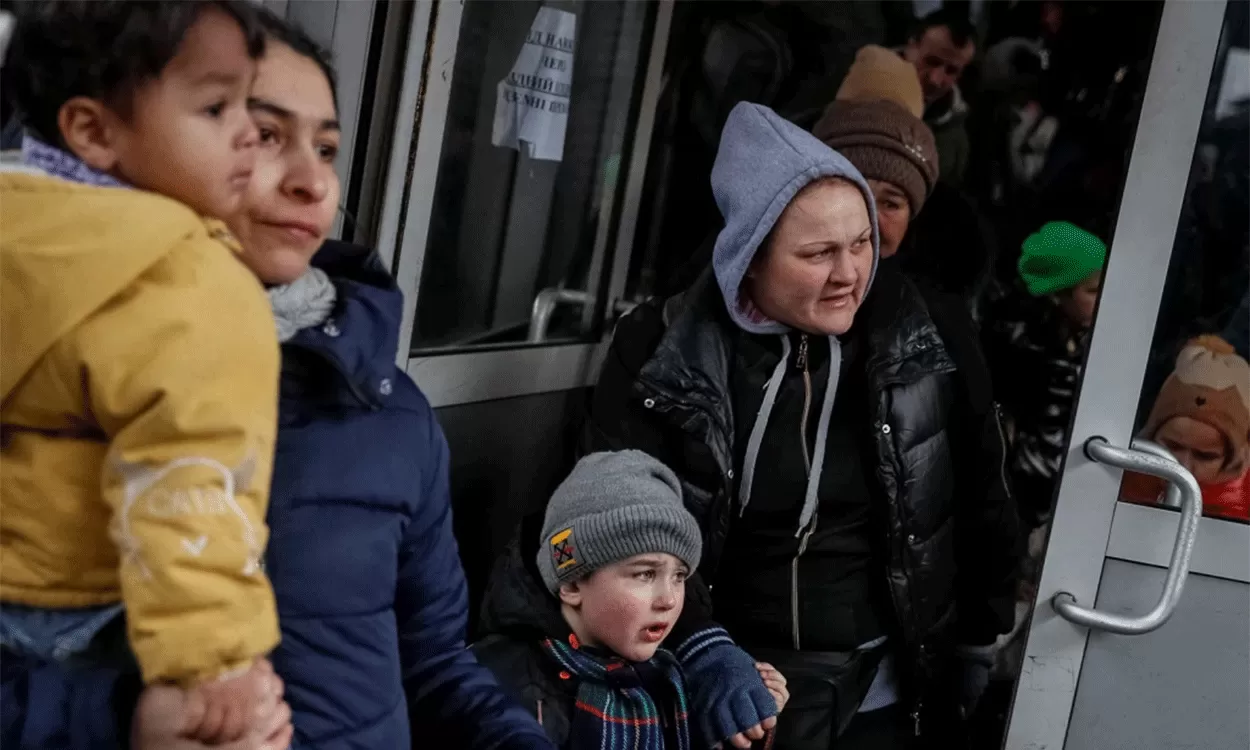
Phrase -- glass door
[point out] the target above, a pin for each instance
(514, 186)
(1140, 634)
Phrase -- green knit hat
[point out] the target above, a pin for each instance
(1059, 256)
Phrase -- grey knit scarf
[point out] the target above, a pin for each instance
(303, 303)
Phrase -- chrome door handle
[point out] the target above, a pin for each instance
(1172, 498)
(545, 306)
(548, 299)
(1143, 459)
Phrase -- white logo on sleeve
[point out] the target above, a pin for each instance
(139, 483)
(196, 548)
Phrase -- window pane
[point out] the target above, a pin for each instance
(1196, 394)
(513, 220)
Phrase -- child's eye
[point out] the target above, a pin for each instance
(645, 575)
(267, 135)
(328, 152)
(215, 110)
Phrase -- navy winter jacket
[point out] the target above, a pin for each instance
(371, 594)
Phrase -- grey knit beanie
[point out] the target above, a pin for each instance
(612, 507)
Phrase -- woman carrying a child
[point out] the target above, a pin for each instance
(370, 596)
(842, 463)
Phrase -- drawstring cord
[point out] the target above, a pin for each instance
(815, 464)
(822, 435)
(761, 421)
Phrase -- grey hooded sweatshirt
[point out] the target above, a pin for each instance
(763, 163)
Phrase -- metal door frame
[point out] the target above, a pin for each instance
(1089, 523)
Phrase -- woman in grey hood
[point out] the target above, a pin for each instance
(845, 472)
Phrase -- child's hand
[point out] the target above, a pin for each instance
(164, 711)
(235, 706)
(775, 682)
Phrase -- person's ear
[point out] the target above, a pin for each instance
(571, 593)
(91, 131)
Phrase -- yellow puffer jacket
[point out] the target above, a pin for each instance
(139, 375)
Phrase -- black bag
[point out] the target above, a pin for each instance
(826, 690)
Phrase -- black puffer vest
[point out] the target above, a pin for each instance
(938, 455)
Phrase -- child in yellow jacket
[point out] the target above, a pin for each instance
(139, 368)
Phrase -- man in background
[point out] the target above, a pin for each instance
(940, 48)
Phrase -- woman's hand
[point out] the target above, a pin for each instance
(776, 684)
(164, 713)
(743, 740)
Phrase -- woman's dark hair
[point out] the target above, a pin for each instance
(101, 49)
(287, 33)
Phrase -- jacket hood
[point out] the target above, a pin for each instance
(516, 603)
(68, 249)
(762, 164)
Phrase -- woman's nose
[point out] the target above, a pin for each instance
(306, 180)
(842, 272)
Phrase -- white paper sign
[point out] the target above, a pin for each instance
(532, 103)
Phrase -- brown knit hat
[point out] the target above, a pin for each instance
(1210, 384)
(879, 73)
(885, 142)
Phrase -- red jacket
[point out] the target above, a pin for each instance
(1229, 499)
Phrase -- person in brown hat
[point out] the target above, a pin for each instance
(1202, 415)
(873, 121)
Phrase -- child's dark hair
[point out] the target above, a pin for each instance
(102, 49)
(293, 36)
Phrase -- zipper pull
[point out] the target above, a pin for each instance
(915, 717)
(801, 360)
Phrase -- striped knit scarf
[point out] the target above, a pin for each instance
(614, 711)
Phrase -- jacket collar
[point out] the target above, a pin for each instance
(947, 109)
(361, 336)
(64, 165)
